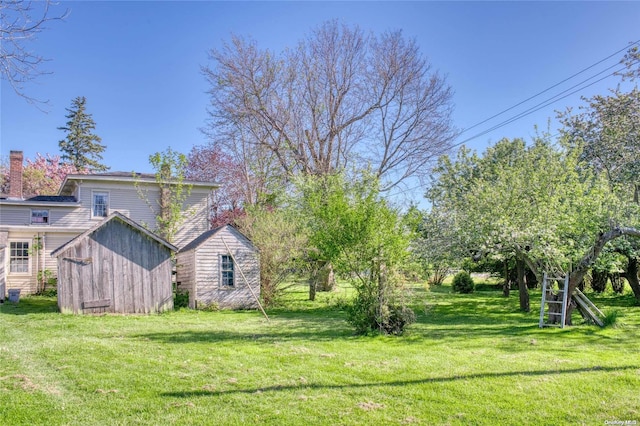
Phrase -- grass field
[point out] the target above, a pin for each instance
(470, 359)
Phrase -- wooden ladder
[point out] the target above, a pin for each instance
(547, 287)
(588, 309)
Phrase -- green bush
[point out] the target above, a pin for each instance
(367, 315)
(462, 283)
(181, 300)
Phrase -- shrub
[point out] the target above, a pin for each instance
(462, 283)
(366, 314)
(181, 300)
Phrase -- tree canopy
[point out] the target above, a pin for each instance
(81, 147)
(339, 98)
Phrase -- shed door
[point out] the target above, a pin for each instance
(90, 293)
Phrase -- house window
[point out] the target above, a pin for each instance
(226, 270)
(100, 204)
(39, 217)
(19, 257)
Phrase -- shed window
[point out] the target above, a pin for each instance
(100, 204)
(226, 271)
(39, 217)
(19, 257)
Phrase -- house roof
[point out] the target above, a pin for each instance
(53, 198)
(198, 241)
(43, 201)
(71, 180)
(114, 216)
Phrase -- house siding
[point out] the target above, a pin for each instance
(66, 222)
(208, 287)
(186, 275)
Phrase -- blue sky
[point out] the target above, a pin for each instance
(138, 63)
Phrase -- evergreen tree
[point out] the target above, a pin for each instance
(82, 147)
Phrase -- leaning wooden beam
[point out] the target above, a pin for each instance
(245, 279)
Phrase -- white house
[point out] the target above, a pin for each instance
(30, 229)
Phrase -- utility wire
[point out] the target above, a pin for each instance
(541, 105)
(552, 87)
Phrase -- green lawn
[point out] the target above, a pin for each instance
(470, 359)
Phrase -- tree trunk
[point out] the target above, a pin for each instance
(522, 285)
(632, 276)
(326, 280)
(583, 266)
(312, 289)
(322, 279)
(506, 287)
(617, 282)
(532, 280)
(599, 281)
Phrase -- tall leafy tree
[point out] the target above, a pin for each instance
(82, 147)
(536, 202)
(353, 228)
(607, 129)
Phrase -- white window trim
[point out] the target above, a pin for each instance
(29, 257)
(98, 191)
(222, 285)
(40, 223)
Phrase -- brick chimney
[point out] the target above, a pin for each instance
(15, 174)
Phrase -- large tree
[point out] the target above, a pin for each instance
(607, 129)
(81, 147)
(20, 23)
(340, 97)
(244, 182)
(536, 202)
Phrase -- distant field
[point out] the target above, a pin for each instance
(470, 359)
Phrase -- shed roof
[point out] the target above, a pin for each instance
(198, 241)
(114, 216)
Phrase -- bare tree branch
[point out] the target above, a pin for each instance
(20, 23)
(338, 98)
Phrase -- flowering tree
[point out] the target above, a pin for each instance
(210, 163)
(42, 175)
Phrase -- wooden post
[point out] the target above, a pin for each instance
(245, 278)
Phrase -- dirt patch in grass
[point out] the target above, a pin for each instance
(19, 381)
(370, 406)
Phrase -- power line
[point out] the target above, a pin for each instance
(541, 105)
(535, 108)
(552, 87)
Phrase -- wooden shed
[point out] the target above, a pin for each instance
(116, 266)
(220, 268)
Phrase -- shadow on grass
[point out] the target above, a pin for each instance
(428, 380)
(30, 305)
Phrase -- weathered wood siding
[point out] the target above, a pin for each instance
(186, 275)
(209, 288)
(115, 269)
